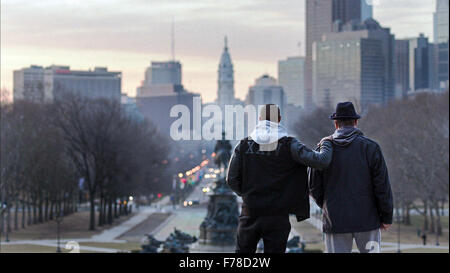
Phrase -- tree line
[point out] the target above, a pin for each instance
(414, 136)
(56, 155)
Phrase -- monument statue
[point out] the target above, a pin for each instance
(222, 152)
(152, 245)
(295, 245)
(176, 242)
(220, 224)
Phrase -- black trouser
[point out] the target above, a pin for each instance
(274, 230)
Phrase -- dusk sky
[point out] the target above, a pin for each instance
(125, 35)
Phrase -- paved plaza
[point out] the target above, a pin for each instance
(186, 219)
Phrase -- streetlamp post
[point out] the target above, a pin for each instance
(437, 235)
(3, 207)
(6, 230)
(58, 219)
(399, 220)
(1, 223)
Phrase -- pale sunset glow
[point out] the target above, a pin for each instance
(127, 35)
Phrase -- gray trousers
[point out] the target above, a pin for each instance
(367, 242)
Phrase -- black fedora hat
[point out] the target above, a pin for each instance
(345, 110)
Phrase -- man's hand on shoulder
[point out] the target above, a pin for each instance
(327, 138)
(315, 159)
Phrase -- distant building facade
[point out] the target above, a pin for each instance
(266, 91)
(356, 65)
(46, 84)
(349, 70)
(291, 73)
(161, 78)
(440, 20)
(97, 83)
(401, 67)
(366, 10)
(163, 73)
(419, 63)
(441, 42)
(130, 107)
(324, 16)
(160, 91)
(28, 83)
(157, 108)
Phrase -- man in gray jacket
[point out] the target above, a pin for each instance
(269, 171)
(354, 191)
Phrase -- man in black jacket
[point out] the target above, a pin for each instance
(354, 191)
(269, 171)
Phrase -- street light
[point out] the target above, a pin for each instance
(2, 209)
(437, 235)
(398, 235)
(58, 219)
(399, 219)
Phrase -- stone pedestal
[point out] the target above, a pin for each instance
(205, 248)
(220, 224)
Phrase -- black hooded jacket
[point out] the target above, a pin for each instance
(354, 191)
(275, 182)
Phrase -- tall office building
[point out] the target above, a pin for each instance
(163, 73)
(347, 10)
(291, 73)
(441, 21)
(319, 20)
(161, 78)
(28, 83)
(324, 16)
(97, 83)
(266, 91)
(441, 42)
(161, 90)
(130, 107)
(366, 10)
(349, 70)
(225, 92)
(157, 108)
(46, 84)
(419, 63)
(433, 66)
(401, 67)
(355, 65)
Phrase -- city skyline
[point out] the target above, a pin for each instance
(83, 38)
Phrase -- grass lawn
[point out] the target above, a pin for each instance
(309, 234)
(73, 226)
(121, 246)
(408, 235)
(420, 250)
(27, 248)
(30, 248)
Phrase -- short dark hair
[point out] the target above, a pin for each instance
(346, 122)
(266, 110)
